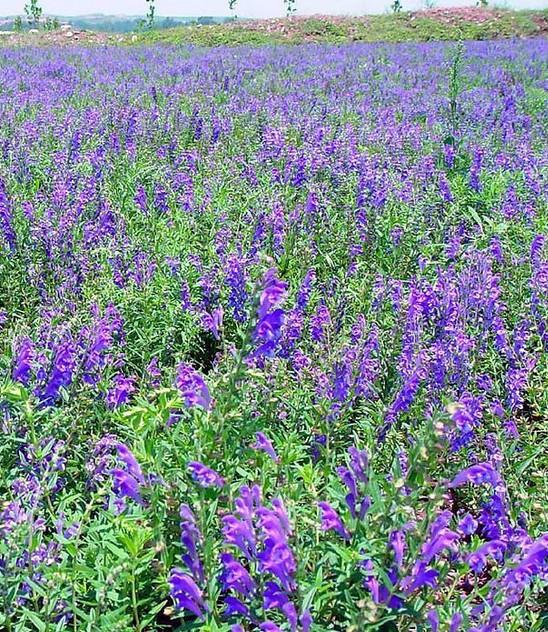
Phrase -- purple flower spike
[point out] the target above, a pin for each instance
(192, 387)
(270, 318)
(264, 444)
(331, 521)
(276, 556)
(480, 474)
(191, 539)
(359, 463)
(205, 476)
(273, 293)
(61, 374)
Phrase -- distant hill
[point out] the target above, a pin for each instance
(116, 23)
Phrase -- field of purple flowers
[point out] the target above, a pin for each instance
(273, 338)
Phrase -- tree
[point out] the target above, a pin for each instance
(33, 11)
(150, 13)
(290, 6)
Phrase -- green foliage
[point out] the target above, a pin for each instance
(51, 24)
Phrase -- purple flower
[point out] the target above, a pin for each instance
(235, 606)
(126, 486)
(434, 620)
(132, 466)
(205, 476)
(23, 362)
(214, 321)
(263, 443)
(192, 387)
(120, 393)
(359, 463)
(275, 598)
(445, 188)
(533, 562)
(319, 323)
(235, 577)
(154, 372)
(235, 277)
(238, 529)
(456, 620)
(303, 295)
(467, 525)
(348, 479)
(478, 559)
(437, 542)
(272, 295)
(306, 621)
(240, 533)
(421, 575)
(381, 593)
(186, 594)
(397, 544)
(140, 198)
(6, 219)
(395, 235)
(480, 474)
(61, 373)
(330, 521)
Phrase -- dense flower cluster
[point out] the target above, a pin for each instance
(234, 276)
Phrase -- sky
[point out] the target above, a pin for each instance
(244, 8)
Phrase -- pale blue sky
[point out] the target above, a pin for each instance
(247, 8)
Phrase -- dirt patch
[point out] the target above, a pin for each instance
(457, 15)
(61, 37)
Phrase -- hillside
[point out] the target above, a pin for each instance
(434, 24)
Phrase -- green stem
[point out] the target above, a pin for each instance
(134, 601)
